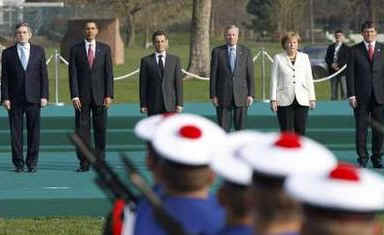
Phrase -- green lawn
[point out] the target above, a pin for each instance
(52, 226)
(126, 90)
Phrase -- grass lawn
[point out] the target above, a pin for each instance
(126, 90)
(52, 226)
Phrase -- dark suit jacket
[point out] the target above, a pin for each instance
(224, 84)
(365, 80)
(153, 86)
(342, 56)
(91, 84)
(18, 85)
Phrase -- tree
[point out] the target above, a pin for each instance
(221, 17)
(127, 10)
(261, 10)
(278, 15)
(199, 45)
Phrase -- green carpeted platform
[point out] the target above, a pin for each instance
(331, 123)
(56, 189)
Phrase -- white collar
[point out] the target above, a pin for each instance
(367, 44)
(229, 47)
(162, 53)
(26, 45)
(93, 42)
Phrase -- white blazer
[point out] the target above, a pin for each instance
(289, 81)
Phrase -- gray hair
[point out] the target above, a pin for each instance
(229, 27)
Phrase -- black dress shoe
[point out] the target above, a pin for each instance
(362, 162)
(32, 170)
(82, 169)
(376, 163)
(19, 170)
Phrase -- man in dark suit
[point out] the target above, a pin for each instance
(365, 85)
(336, 58)
(161, 88)
(231, 81)
(91, 84)
(24, 90)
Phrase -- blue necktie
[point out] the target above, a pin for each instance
(23, 57)
(232, 58)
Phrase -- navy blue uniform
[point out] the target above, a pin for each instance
(237, 230)
(198, 216)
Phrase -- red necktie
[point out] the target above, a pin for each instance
(370, 51)
(91, 56)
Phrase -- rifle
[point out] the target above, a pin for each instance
(110, 183)
(169, 223)
(106, 178)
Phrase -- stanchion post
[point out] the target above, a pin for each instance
(57, 60)
(263, 74)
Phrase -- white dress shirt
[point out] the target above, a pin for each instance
(93, 45)
(367, 45)
(27, 50)
(163, 59)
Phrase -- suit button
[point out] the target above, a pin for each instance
(294, 82)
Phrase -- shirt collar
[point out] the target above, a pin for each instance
(162, 53)
(229, 47)
(26, 45)
(93, 42)
(372, 43)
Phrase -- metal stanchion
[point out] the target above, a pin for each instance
(57, 60)
(263, 76)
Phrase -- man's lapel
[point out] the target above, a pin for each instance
(155, 65)
(377, 54)
(168, 67)
(16, 56)
(32, 54)
(239, 58)
(97, 55)
(364, 50)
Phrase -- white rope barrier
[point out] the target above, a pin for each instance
(268, 56)
(63, 60)
(256, 56)
(194, 75)
(127, 75)
(49, 60)
(116, 78)
(331, 76)
(207, 78)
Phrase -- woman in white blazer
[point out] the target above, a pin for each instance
(292, 89)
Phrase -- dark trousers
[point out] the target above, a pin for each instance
(336, 83)
(226, 114)
(157, 109)
(83, 129)
(293, 118)
(16, 123)
(363, 113)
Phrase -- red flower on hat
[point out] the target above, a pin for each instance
(345, 171)
(288, 140)
(190, 132)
